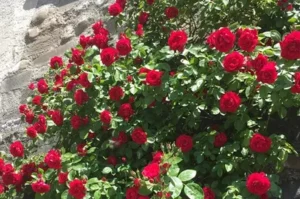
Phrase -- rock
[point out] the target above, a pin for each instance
(82, 25)
(40, 15)
(68, 33)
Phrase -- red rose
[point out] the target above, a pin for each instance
(31, 86)
(58, 83)
(2, 189)
(143, 18)
(153, 78)
(40, 187)
(233, 62)
(11, 178)
(91, 135)
(23, 108)
(83, 80)
(259, 62)
(116, 93)
(28, 169)
(296, 87)
(120, 139)
(150, 2)
(17, 149)
(211, 40)
(100, 40)
(29, 116)
(230, 102)
(109, 56)
(139, 30)
(77, 189)
(264, 196)
(40, 127)
(258, 183)
(77, 56)
(132, 193)
(248, 40)
(208, 193)
(98, 28)
(81, 149)
(260, 143)
(115, 9)
(53, 159)
(139, 136)
(122, 3)
(129, 78)
(177, 40)
(76, 122)
(224, 40)
(143, 70)
(171, 12)
(124, 46)
(57, 117)
(268, 73)
(157, 156)
(62, 177)
(31, 132)
(290, 46)
(42, 86)
(112, 160)
(151, 170)
(84, 41)
(125, 111)
(80, 97)
(220, 140)
(105, 117)
(71, 84)
(56, 62)
(184, 142)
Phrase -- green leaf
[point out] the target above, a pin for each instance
(175, 186)
(228, 167)
(197, 85)
(65, 195)
(263, 91)
(97, 194)
(106, 170)
(193, 191)
(225, 2)
(187, 175)
(215, 110)
(173, 170)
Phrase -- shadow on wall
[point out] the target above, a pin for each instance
(29, 4)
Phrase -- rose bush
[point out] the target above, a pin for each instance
(156, 114)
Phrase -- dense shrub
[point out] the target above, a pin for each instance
(177, 107)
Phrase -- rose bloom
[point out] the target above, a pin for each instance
(260, 143)
(57, 117)
(17, 149)
(139, 30)
(171, 12)
(120, 139)
(177, 40)
(81, 149)
(11, 178)
(105, 117)
(40, 187)
(248, 40)
(290, 46)
(77, 189)
(31, 86)
(28, 169)
(42, 86)
(109, 56)
(125, 111)
(211, 40)
(153, 78)
(157, 156)
(80, 97)
(62, 177)
(116, 93)
(76, 122)
(184, 142)
(99, 29)
(139, 136)
(143, 18)
(151, 170)
(233, 62)
(83, 80)
(53, 159)
(296, 87)
(29, 116)
(37, 100)
(208, 193)
(122, 3)
(112, 160)
(2, 189)
(100, 40)
(77, 56)
(150, 2)
(267, 74)
(23, 108)
(31, 132)
(230, 102)
(143, 70)
(56, 62)
(84, 41)
(259, 62)
(132, 193)
(124, 46)
(220, 140)
(115, 9)
(258, 183)
(224, 39)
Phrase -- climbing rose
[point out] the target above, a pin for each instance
(139, 136)
(208, 193)
(84, 41)
(41, 124)
(125, 111)
(122, 3)
(211, 40)
(139, 30)
(268, 73)
(42, 86)
(171, 12)
(81, 149)
(80, 97)
(184, 142)
(22, 108)
(57, 117)
(259, 62)
(56, 62)
(153, 78)
(151, 170)
(77, 56)
(224, 39)
(115, 9)
(29, 116)
(233, 62)
(124, 46)
(157, 156)
(248, 40)
(76, 122)
(120, 139)
(28, 169)
(177, 40)
(40, 187)
(132, 193)
(258, 183)
(260, 143)
(53, 159)
(31, 86)
(109, 56)
(150, 2)
(62, 177)
(105, 117)
(230, 102)
(290, 46)
(220, 140)
(2, 189)
(98, 28)
(100, 40)
(77, 189)
(31, 132)
(17, 149)
(83, 80)
(116, 93)
(296, 87)
(143, 18)
(112, 160)
(143, 70)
